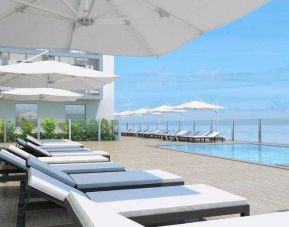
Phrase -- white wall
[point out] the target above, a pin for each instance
(106, 106)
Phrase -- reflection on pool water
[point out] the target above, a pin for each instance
(264, 154)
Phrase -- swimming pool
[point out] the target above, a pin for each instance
(262, 154)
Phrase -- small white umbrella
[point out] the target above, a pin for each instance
(40, 94)
(115, 27)
(141, 111)
(124, 114)
(165, 109)
(197, 105)
(53, 74)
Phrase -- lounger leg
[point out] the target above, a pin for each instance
(246, 211)
(21, 206)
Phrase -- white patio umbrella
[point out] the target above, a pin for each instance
(197, 105)
(124, 114)
(165, 109)
(141, 111)
(40, 94)
(115, 27)
(53, 74)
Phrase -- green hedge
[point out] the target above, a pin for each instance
(51, 129)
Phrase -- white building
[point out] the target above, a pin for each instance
(96, 104)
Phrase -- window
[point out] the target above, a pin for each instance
(26, 111)
(75, 112)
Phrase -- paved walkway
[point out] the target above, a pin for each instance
(266, 188)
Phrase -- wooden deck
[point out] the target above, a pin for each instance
(267, 188)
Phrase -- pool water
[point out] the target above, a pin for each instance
(263, 154)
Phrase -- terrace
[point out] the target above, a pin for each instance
(265, 187)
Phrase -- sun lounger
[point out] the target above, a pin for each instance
(134, 132)
(197, 136)
(59, 159)
(178, 134)
(125, 132)
(160, 134)
(108, 180)
(51, 144)
(39, 152)
(187, 137)
(87, 213)
(148, 205)
(212, 136)
(20, 166)
(100, 181)
(151, 133)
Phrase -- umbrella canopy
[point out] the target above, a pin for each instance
(53, 74)
(115, 27)
(141, 111)
(197, 105)
(165, 109)
(124, 114)
(40, 94)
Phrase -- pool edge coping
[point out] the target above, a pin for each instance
(228, 159)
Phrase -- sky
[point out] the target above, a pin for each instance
(243, 66)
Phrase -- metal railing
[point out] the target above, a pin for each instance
(265, 130)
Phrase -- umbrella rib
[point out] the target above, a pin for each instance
(44, 9)
(171, 15)
(74, 11)
(19, 9)
(74, 27)
(138, 35)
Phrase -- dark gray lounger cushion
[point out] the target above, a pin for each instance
(50, 170)
(38, 149)
(13, 159)
(126, 178)
(49, 185)
(21, 142)
(90, 214)
(33, 140)
(89, 167)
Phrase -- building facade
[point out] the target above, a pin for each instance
(96, 104)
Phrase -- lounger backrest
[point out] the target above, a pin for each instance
(49, 186)
(204, 134)
(50, 170)
(183, 132)
(21, 142)
(13, 160)
(38, 149)
(89, 214)
(214, 134)
(19, 152)
(33, 140)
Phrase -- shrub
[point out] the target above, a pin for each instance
(49, 126)
(91, 130)
(63, 126)
(106, 130)
(26, 127)
(78, 130)
(1, 130)
(10, 130)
